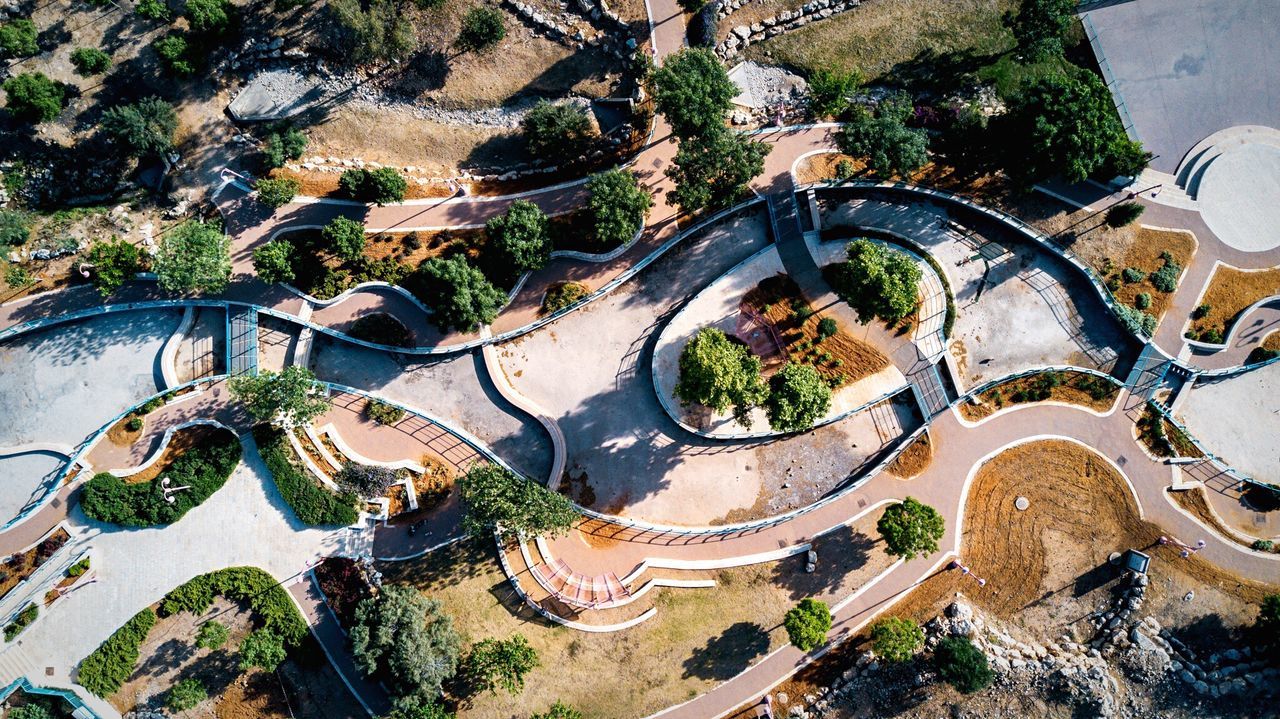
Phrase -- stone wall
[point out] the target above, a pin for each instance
(614, 39)
(743, 36)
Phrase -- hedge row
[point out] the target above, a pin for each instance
(269, 602)
(107, 498)
(313, 504)
(107, 668)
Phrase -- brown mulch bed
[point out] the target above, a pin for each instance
(841, 359)
(1230, 292)
(1145, 254)
(914, 459)
(1071, 390)
(122, 436)
(309, 447)
(180, 442)
(18, 567)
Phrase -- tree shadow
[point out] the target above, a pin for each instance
(840, 552)
(727, 655)
(939, 72)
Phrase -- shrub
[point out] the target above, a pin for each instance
(90, 60)
(460, 296)
(313, 504)
(499, 663)
(18, 38)
(134, 424)
(186, 694)
(173, 51)
(383, 329)
(845, 169)
(107, 667)
(267, 599)
(558, 133)
(827, 327)
(16, 276)
(379, 186)
(154, 10)
(1142, 300)
(383, 413)
(114, 263)
(1261, 354)
(1201, 312)
(891, 148)
(494, 498)
(1263, 545)
(520, 236)
(561, 295)
(264, 649)
(962, 664)
(1132, 275)
(404, 639)
(282, 146)
(482, 28)
(277, 193)
(1165, 279)
(79, 568)
(212, 635)
(195, 256)
(143, 128)
(204, 469)
(897, 639)
(15, 227)
(33, 709)
(798, 397)
(878, 281)
(345, 237)
(34, 97)
(559, 710)
(1123, 214)
(273, 262)
(1136, 321)
(208, 16)
(807, 624)
(21, 622)
(829, 92)
(618, 205)
(1212, 336)
(911, 528)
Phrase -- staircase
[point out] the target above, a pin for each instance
(1197, 160)
(242, 340)
(15, 663)
(929, 390)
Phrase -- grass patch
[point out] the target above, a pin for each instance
(1230, 292)
(313, 504)
(1078, 388)
(840, 358)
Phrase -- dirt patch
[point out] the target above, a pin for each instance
(17, 567)
(840, 358)
(1146, 254)
(915, 459)
(181, 441)
(1193, 501)
(315, 183)
(578, 488)
(121, 436)
(1232, 290)
(1076, 388)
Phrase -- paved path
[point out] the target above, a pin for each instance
(333, 640)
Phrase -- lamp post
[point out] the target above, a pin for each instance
(168, 491)
(955, 564)
(1185, 550)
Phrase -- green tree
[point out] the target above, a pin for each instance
(175, 54)
(279, 192)
(15, 227)
(829, 92)
(143, 128)
(1123, 214)
(720, 374)
(195, 256)
(379, 186)
(18, 38)
(1066, 124)
(559, 710)
(482, 28)
(891, 148)
(274, 262)
(557, 132)
(1040, 26)
(494, 498)
(290, 398)
(154, 10)
(420, 710)
(807, 624)
(878, 281)
(897, 639)
(500, 663)
(522, 236)
(405, 640)
(911, 529)
(33, 709)
(380, 33)
(212, 635)
(344, 237)
(184, 695)
(693, 91)
(90, 60)
(459, 295)
(114, 263)
(208, 16)
(34, 97)
(712, 170)
(282, 146)
(962, 664)
(618, 205)
(798, 397)
(263, 648)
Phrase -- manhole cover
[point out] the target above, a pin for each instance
(1021, 503)
(1114, 558)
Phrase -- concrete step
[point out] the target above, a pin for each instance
(15, 663)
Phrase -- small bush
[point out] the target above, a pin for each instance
(962, 664)
(173, 51)
(1136, 321)
(313, 504)
(1212, 336)
(208, 16)
(482, 28)
(807, 624)
(1132, 275)
(34, 97)
(1123, 214)
(90, 60)
(79, 568)
(108, 666)
(1165, 279)
(263, 649)
(896, 639)
(186, 694)
(557, 133)
(1201, 312)
(384, 413)
(844, 170)
(212, 635)
(18, 38)
(1142, 300)
(379, 186)
(15, 227)
(827, 327)
(154, 10)
(345, 238)
(21, 622)
(282, 146)
(561, 296)
(134, 424)
(17, 276)
(1263, 545)
(1261, 354)
(277, 193)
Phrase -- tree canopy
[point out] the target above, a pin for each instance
(459, 295)
(896, 639)
(195, 256)
(693, 91)
(963, 665)
(282, 146)
(114, 263)
(380, 33)
(878, 281)
(143, 128)
(277, 193)
(911, 529)
(712, 170)
(33, 97)
(891, 148)
(618, 205)
(1039, 26)
(18, 38)
(345, 237)
(379, 186)
(1066, 124)
(522, 236)
(557, 132)
(495, 498)
(798, 397)
(405, 640)
(482, 28)
(829, 92)
(807, 624)
(273, 262)
(1124, 214)
(208, 16)
(720, 374)
(291, 397)
(496, 664)
(90, 60)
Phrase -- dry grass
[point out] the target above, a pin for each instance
(881, 34)
(1068, 391)
(992, 189)
(1232, 290)
(914, 459)
(1145, 254)
(1272, 342)
(699, 637)
(841, 359)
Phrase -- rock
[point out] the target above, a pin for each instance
(1201, 687)
(1231, 655)
(1187, 677)
(742, 31)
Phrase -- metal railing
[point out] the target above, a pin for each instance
(78, 707)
